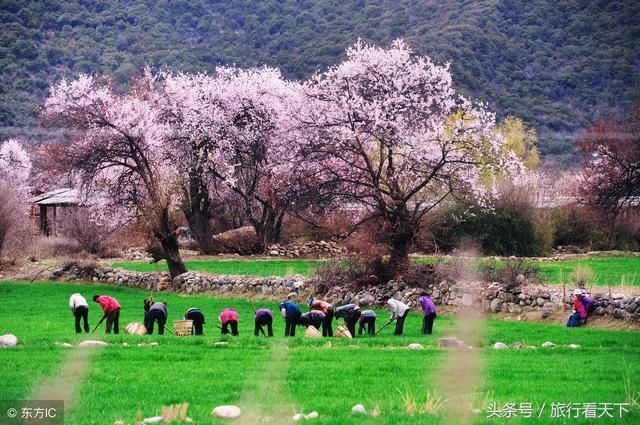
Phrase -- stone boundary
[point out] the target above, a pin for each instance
(488, 296)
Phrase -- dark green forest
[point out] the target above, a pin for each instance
(556, 64)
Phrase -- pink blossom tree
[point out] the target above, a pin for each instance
(15, 170)
(235, 129)
(389, 128)
(119, 147)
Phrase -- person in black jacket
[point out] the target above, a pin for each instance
(157, 313)
(350, 313)
(197, 317)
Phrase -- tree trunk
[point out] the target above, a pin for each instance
(399, 258)
(269, 228)
(169, 241)
(198, 215)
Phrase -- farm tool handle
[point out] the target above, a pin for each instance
(254, 313)
(101, 320)
(387, 324)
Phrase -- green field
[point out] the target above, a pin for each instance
(614, 271)
(272, 379)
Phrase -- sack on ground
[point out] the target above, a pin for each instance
(312, 332)
(135, 328)
(343, 332)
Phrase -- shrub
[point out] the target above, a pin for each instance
(15, 228)
(77, 225)
(509, 273)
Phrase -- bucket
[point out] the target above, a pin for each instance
(182, 327)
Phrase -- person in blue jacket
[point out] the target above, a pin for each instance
(291, 313)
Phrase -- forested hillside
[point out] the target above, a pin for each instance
(555, 64)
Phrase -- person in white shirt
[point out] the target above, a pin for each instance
(80, 309)
(399, 312)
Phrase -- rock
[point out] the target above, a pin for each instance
(496, 305)
(500, 345)
(92, 343)
(312, 415)
(221, 343)
(343, 332)
(367, 300)
(540, 301)
(548, 344)
(574, 346)
(517, 345)
(599, 311)
(520, 279)
(358, 409)
(8, 340)
(153, 420)
(620, 313)
(226, 412)
(546, 313)
(312, 332)
(153, 344)
(67, 345)
(450, 343)
(467, 300)
(298, 417)
(274, 252)
(415, 346)
(135, 328)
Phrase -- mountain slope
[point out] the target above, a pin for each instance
(555, 64)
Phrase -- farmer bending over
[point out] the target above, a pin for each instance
(229, 317)
(368, 320)
(291, 313)
(263, 317)
(327, 309)
(350, 313)
(313, 318)
(111, 309)
(80, 309)
(399, 312)
(157, 313)
(429, 310)
(196, 316)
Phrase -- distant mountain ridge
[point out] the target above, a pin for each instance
(557, 65)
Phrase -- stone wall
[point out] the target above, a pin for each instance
(489, 296)
(308, 249)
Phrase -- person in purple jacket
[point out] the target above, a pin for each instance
(263, 317)
(429, 310)
(586, 301)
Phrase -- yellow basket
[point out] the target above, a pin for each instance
(182, 327)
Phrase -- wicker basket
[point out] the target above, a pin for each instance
(182, 327)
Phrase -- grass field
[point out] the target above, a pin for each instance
(612, 271)
(271, 379)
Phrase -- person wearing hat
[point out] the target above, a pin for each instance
(327, 309)
(157, 313)
(291, 313)
(197, 317)
(368, 320)
(579, 312)
(80, 309)
(229, 317)
(313, 318)
(399, 312)
(263, 317)
(350, 313)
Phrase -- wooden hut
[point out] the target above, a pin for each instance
(45, 208)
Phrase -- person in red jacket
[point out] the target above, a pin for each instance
(579, 312)
(111, 308)
(227, 317)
